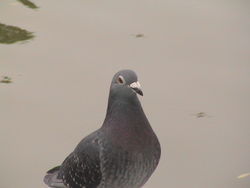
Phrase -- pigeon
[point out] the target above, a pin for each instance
(122, 153)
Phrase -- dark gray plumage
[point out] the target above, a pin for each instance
(123, 153)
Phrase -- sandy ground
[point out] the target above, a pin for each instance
(193, 58)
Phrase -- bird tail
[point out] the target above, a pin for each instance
(52, 180)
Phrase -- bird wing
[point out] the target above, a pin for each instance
(82, 168)
(80, 171)
(52, 180)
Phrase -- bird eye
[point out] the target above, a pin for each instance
(120, 80)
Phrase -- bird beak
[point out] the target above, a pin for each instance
(136, 87)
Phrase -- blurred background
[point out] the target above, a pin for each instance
(57, 59)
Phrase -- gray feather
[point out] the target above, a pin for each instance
(123, 153)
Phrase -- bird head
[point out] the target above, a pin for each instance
(125, 84)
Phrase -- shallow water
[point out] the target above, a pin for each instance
(192, 59)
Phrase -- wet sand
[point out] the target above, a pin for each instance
(193, 62)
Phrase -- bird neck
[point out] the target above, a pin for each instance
(127, 109)
(126, 123)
